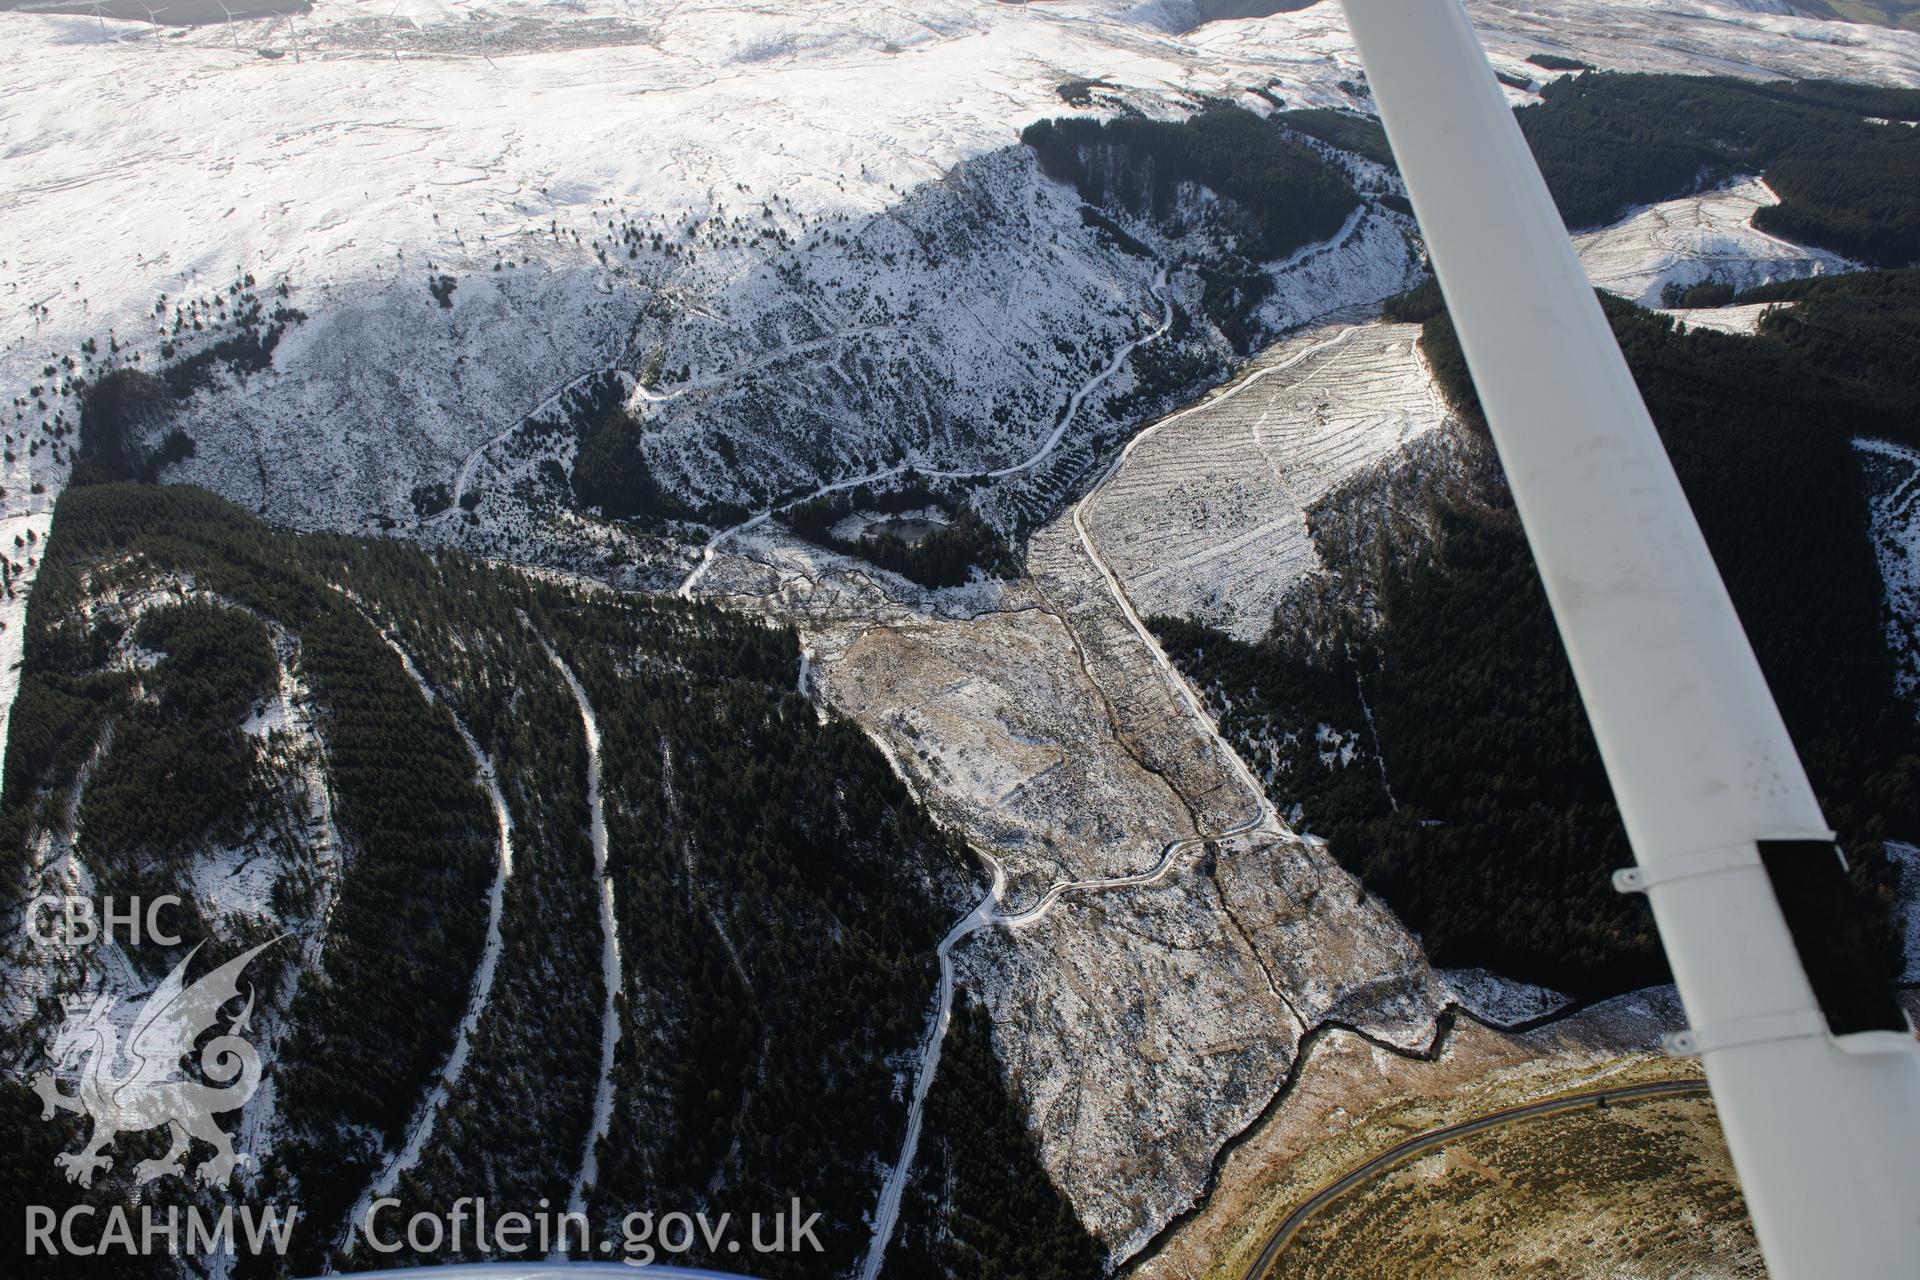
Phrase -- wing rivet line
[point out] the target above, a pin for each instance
(1794, 1024)
(1688, 866)
(1701, 862)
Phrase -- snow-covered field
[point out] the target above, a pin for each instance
(1743, 320)
(390, 142)
(1697, 239)
(1206, 517)
(1690, 37)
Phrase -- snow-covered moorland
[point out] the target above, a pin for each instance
(476, 207)
(362, 152)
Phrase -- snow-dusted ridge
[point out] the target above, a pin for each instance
(512, 125)
(495, 145)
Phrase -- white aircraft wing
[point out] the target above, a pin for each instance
(1819, 1094)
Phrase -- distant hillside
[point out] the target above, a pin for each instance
(1607, 142)
(1904, 14)
(174, 13)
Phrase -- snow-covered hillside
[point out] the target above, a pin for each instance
(1696, 239)
(371, 148)
(1206, 517)
(1892, 474)
(1743, 319)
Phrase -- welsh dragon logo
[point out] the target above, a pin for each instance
(141, 1086)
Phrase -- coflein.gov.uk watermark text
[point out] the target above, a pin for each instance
(642, 1237)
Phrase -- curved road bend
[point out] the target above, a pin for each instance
(1414, 1146)
(1052, 442)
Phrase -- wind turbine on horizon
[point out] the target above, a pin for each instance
(230, 31)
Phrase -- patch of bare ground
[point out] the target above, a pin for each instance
(1632, 1191)
(1143, 1026)
(1352, 1100)
(1147, 710)
(995, 723)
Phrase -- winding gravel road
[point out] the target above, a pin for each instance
(420, 1129)
(588, 1174)
(1040, 455)
(1404, 1151)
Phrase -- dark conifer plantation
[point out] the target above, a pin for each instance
(1607, 141)
(1505, 832)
